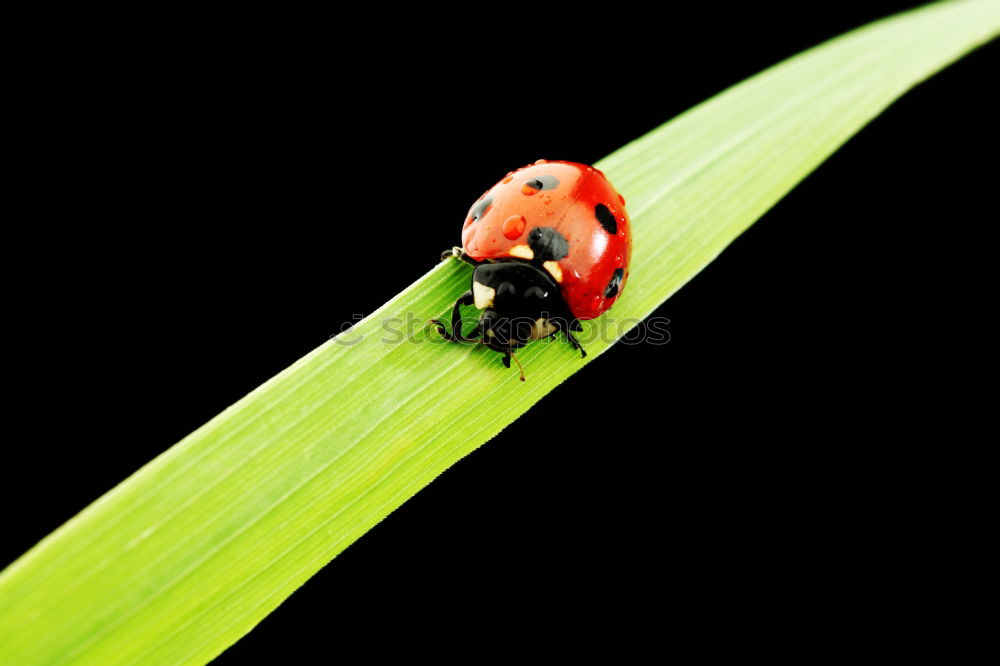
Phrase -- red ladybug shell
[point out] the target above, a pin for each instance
(579, 203)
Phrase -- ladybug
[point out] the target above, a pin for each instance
(551, 245)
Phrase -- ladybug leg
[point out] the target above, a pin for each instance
(456, 322)
(458, 253)
(456, 319)
(576, 343)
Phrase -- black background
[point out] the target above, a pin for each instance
(200, 209)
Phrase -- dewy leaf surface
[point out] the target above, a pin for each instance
(189, 553)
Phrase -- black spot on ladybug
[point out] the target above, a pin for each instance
(480, 208)
(547, 244)
(616, 279)
(543, 183)
(606, 218)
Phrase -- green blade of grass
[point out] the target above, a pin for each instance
(189, 553)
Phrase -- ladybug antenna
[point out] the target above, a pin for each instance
(519, 366)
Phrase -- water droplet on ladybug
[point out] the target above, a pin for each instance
(618, 259)
(540, 161)
(622, 199)
(508, 178)
(513, 226)
(527, 190)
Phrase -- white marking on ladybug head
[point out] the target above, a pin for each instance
(483, 295)
(554, 270)
(542, 328)
(522, 252)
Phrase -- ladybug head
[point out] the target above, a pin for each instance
(519, 303)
